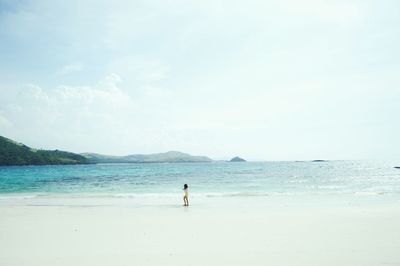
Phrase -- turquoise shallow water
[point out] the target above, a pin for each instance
(210, 179)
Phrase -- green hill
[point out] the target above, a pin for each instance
(166, 157)
(14, 153)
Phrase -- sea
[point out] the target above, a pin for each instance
(217, 179)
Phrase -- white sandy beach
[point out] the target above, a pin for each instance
(211, 232)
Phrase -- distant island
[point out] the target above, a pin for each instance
(14, 153)
(166, 157)
(318, 161)
(237, 159)
(397, 167)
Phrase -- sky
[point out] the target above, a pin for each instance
(265, 80)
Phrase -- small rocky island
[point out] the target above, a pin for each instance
(397, 167)
(237, 159)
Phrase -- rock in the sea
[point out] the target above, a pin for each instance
(319, 161)
(397, 167)
(237, 159)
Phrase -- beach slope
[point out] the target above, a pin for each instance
(230, 234)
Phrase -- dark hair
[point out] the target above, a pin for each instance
(185, 186)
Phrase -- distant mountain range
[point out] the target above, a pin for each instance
(166, 157)
(14, 153)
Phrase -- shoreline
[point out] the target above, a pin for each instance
(201, 199)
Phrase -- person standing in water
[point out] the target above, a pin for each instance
(186, 195)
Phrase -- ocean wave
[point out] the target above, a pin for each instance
(369, 193)
(176, 195)
(238, 194)
(17, 197)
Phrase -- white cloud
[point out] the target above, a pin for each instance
(105, 93)
(140, 70)
(71, 68)
(67, 113)
(269, 79)
(4, 123)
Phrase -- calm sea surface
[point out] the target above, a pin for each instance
(210, 179)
